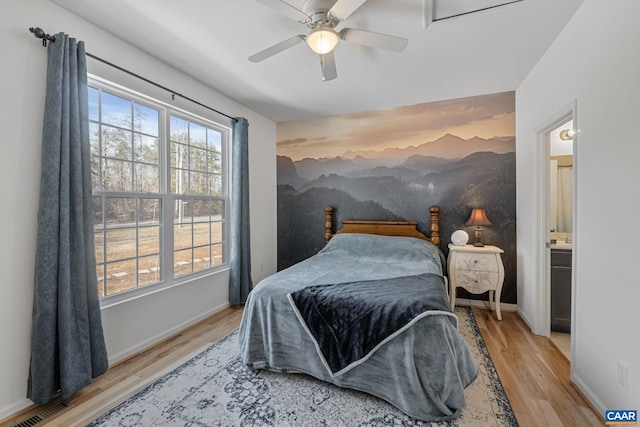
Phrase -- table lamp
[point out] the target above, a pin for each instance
(478, 219)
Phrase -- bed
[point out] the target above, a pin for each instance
(368, 312)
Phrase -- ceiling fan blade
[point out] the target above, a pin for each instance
(328, 65)
(286, 9)
(344, 8)
(276, 48)
(368, 38)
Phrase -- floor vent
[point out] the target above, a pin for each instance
(45, 413)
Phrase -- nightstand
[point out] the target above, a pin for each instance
(477, 269)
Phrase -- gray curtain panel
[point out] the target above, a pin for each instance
(67, 343)
(240, 261)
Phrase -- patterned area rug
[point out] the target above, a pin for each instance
(214, 388)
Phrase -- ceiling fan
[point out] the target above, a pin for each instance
(322, 17)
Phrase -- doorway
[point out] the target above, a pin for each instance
(560, 238)
(542, 253)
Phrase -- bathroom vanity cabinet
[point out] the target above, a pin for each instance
(561, 290)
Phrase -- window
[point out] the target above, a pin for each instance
(159, 191)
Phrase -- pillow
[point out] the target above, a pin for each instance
(383, 247)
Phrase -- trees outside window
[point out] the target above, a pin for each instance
(159, 191)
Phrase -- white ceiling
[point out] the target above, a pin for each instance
(484, 52)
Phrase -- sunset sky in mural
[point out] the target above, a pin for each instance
(483, 116)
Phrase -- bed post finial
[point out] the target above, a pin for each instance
(435, 225)
(328, 223)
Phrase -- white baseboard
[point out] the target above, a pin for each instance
(165, 334)
(525, 318)
(593, 399)
(14, 408)
(485, 304)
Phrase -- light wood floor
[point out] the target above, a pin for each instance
(534, 373)
(562, 340)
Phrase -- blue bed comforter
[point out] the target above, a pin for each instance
(422, 370)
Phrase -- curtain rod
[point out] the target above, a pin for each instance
(39, 33)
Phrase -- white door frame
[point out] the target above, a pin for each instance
(542, 255)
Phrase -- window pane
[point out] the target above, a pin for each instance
(179, 181)
(149, 270)
(185, 215)
(202, 258)
(214, 140)
(197, 135)
(121, 244)
(179, 130)
(216, 255)
(179, 211)
(179, 156)
(200, 210)
(214, 162)
(145, 149)
(214, 185)
(97, 212)
(116, 110)
(147, 178)
(198, 160)
(146, 120)
(99, 242)
(116, 175)
(121, 276)
(198, 183)
(217, 208)
(148, 241)
(116, 143)
(94, 104)
(182, 236)
(120, 210)
(94, 140)
(216, 232)
(100, 276)
(201, 234)
(183, 262)
(149, 211)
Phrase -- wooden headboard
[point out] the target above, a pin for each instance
(385, 228)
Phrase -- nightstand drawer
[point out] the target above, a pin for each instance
(476, 281)
(477, 261)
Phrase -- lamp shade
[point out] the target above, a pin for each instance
(478, 217)
(322, 40)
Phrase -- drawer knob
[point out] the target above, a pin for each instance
(475, 261)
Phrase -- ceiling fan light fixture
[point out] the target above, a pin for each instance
(322, 40)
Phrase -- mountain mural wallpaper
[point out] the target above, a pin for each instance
(394, 165)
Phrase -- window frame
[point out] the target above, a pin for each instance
(166, 241)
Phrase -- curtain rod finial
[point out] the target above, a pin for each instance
(39, 33)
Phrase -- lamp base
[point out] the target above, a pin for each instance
(478, 233)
